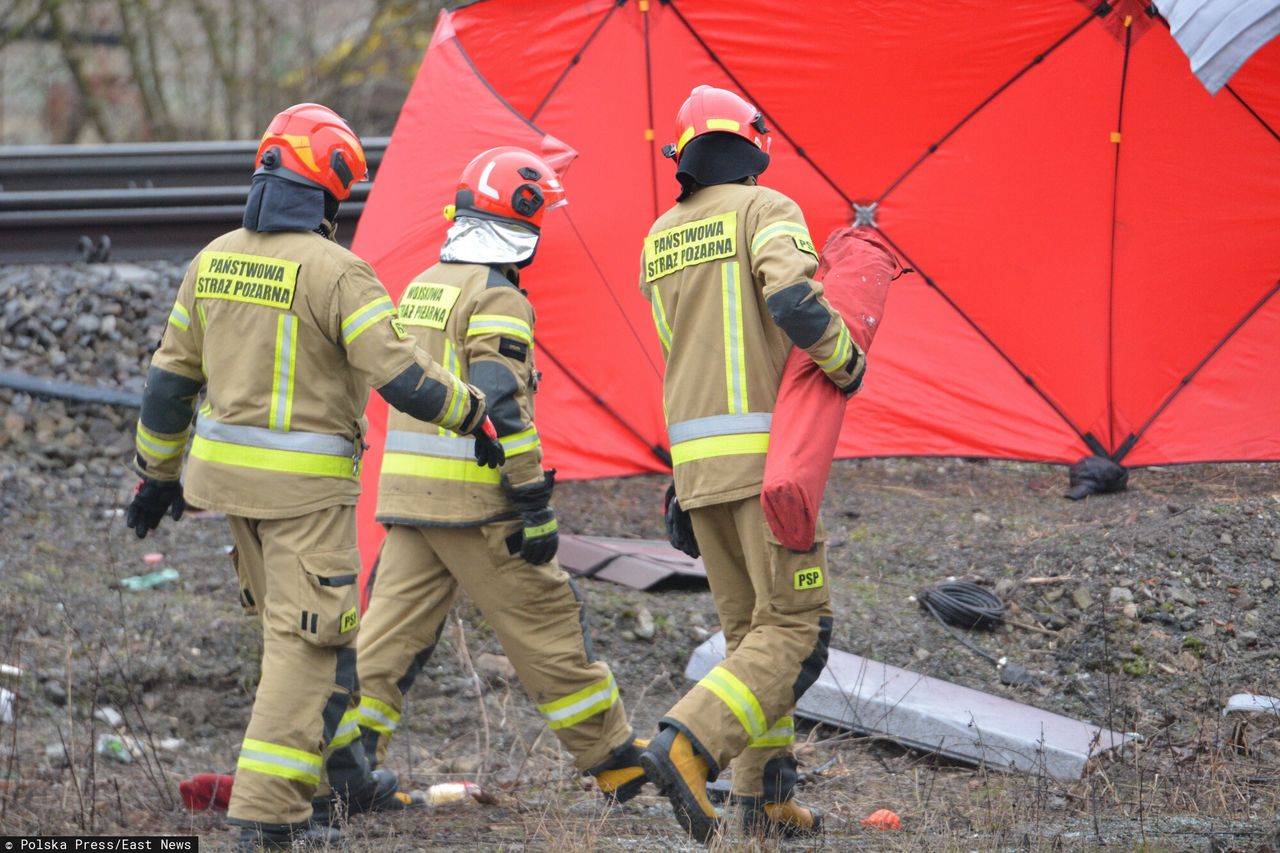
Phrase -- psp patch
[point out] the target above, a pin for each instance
(350, 621)
(804, 244)
(809, 578)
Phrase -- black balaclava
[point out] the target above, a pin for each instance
(717, 158)
(279, 204)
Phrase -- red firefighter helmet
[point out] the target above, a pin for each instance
(712, 110)
(313, 144)
(508, 184)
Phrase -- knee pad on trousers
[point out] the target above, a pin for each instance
(812, 666)
(780, 779)
(325, 601)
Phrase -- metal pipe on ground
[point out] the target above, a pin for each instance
(74, 391)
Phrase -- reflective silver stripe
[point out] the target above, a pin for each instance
(719, 425)
(375, 716)
(450, 447)
(306, 766)
(305, 442)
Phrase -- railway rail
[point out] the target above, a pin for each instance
(133, 201)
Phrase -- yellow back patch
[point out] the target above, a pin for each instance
(809, 578)
(269, 282)
(690, 244)
(427, 304)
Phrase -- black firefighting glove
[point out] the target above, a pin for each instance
(152, 501)
(540, 537)
(679, 525)
(489, 452)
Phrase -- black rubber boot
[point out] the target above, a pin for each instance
(681, 775)
(621, 777)
(380, 794)
(304, 837)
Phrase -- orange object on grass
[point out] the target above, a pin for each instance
(882, 819)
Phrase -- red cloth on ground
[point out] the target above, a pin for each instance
(206, 791)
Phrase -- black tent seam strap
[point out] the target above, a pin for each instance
(804, 155)
(658, 450)
(1036, 60)
(576, 58)
(614, 296)
(1195, 371)
(1118, 143)
(1271, 130)
(990, 342)
(485, 80)
(653, 144)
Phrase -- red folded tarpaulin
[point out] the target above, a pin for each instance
(855, 272)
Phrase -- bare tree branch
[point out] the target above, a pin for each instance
(75, 65)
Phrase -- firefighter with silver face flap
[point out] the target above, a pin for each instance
(284, 332)
(490, 533)
(728, 272)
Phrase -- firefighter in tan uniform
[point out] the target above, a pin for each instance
(492, 533)
(285, 331)
(728, 273)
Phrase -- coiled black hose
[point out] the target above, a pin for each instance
(964, 605)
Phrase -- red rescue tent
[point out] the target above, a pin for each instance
(1097, 237)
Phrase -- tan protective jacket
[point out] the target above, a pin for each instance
(287, 331)
(729, 275)
(475, 321)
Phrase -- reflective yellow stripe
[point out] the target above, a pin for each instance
(581, 705)
(377, 715)
(365, 316)
(433, 467)
(451, 364)
(541, 529)
(783, 733)
(491, 324)
(283, 761)
(660, 319)
(179, 317)
(840, 356)
(160, 448)
(685, 137)
(735, 356)
(764, 235)
(458, 406)
(282, 373)
(204, 318)
(348, 729)
(738, 697)
(723, 124)
(270, 459)
(719, 445)
(520, 442)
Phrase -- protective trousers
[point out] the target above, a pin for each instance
(534, 610)
(298, 574)
(775, 609)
